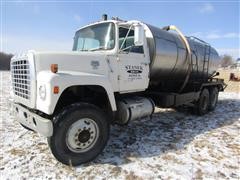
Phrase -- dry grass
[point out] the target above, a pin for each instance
(232, 86)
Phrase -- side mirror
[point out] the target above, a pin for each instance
(138, 35)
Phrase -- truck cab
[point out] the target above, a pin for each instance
(108, 58)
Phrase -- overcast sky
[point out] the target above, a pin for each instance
(50, 25)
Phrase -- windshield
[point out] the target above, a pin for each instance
(96, 37)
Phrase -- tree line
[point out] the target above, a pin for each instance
(226, 60)
(5, 61)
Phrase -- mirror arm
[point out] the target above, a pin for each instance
(129, 47)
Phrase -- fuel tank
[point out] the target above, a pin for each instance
(168, 57)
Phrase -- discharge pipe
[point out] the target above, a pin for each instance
(174, 28)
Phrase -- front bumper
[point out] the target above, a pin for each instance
(33, 121)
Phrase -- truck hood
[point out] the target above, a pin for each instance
(89, 62)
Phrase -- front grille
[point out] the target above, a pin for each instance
(21, 78)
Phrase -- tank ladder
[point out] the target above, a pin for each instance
(206, 59)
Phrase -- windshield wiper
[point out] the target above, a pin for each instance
(98, 48)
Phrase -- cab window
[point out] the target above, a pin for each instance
(128, 45)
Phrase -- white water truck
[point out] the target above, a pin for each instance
(118, 71)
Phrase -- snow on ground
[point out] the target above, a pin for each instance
(171, 145)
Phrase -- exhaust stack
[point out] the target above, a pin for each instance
(104, 17)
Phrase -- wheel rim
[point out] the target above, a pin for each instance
(82, 135)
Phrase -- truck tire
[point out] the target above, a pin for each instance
(201, 106)
(80, 133)
(213, 98)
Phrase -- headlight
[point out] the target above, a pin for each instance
(42, 92)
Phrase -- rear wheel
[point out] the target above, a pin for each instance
(213, 98)
(80, 134)
(201, 106)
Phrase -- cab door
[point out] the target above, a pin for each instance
(133, 63)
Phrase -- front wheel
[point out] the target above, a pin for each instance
(80, 134)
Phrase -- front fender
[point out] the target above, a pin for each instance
(65, 79)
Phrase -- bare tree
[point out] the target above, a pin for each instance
(226, 60)
(5, 61)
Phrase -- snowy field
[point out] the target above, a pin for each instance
(171, 145)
